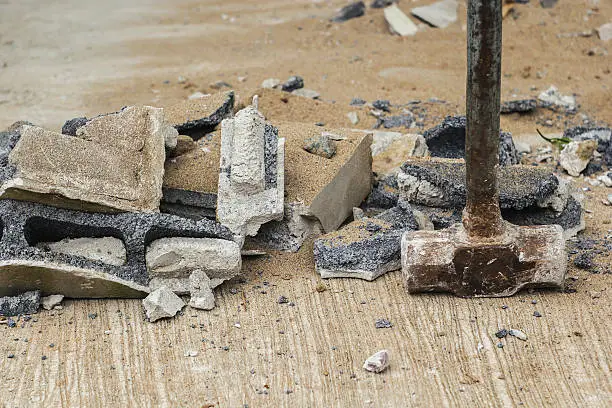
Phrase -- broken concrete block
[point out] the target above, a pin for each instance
(49, 302)
(441, 183)
(519, 106)
(108, 250)
(306, 93)
(392, 155)
(162, 303)
(378, 362)
(321, 145)
(65, 170)
(448, 140)
(25, 303)
(350, 11)
(440, 14)
(170, 261)
(197, 117)
(252, 173)
(602, 135)
(576, 156)
(399, 23)
(553, 99)
(24, 266)
(365, 248)
(200, 290)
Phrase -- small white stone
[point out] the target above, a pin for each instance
(353, 117)
(196, 95)
(378, 362)
(162, 303)
(554, 97)
(107, 332)
(49, 302)
(606, 180)
(522, 147)
(190, 353)
(306, 93)
(605, 32)
(398, 21)
(271, 83)
(519, 334)
(200, 289)
(576, 155)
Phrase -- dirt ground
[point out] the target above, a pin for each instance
(60, 60)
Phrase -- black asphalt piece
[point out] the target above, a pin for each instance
(570, 217)
(448, 140)
(384, 194)
(584, 260)
(357, 102)
(293, 83)
(199, 128)
(440, 217)
(368, 244)
(383, 324)
(270, 155)
(602, 135)
(8, 140)
(376, 4)
(25, 224)
(188, 204)
(71, 126)
(382, 104)
(519, 106)
(390, 122)
(26, 303)
(350, 11)
(519, 186)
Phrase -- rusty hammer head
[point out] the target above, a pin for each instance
(483, 256)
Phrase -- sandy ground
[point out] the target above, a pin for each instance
(64, 59)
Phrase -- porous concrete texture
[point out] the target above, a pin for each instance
(366, 248)
(108, 250)
(576, 155)
(60, 170)
(24, 266)
(25, 303)
(525, 257)
(602, 135)
(290, 233)
(448, 140)
(441, 183)
(170, 261)
(162, 303)
(197, 117)
(252, 173)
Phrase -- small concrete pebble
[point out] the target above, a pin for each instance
(293, 83)
(190, 353)
(519, 334)
(382, 104)
(282, 299)
(357, 102)
(501, 334)
(537, 314)
(322, 146)
(383, 324)
(378, 362)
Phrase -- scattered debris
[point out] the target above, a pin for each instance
(322, 146)
(198, 117)
(162, 303)
(548, 3)
(293, 83)
(190, 353)
(353, 117)
(575, 156)
(282, 300)
(440, 14)
(383, 324)
(519, 106)
(552, 98)
(378, 362)
(382, 104)
(25, 303)
(357, 102)
(519, 334)
(350, 11)
(220, 84)
(501, 334)
(398, 22)
(602, 135)
(605, 32)
(376, 4)
(271, 83)
(389, 122)
(49, 302)
(584, 261)
(252, 173)
(306, 93)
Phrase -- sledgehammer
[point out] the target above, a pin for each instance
(484, 256)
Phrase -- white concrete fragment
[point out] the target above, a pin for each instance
(440, 14)
(306, 93)
(271, 83)
(519, 334)
(414, 144)
(178, 258)
(552, 96)
(197, 95)
(108, 249)
(399, 23)
(353, 117)
(416, 190)
(378, 362)
(576, 155)
(202, 296)
(558, 200)
(162, 303)
(605, 32)
(605, 179)
(247, 197)
(49, 302)
(522, 147)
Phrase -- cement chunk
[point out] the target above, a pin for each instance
(552, 98)
(378, 362)
(26, 303)
(576, 156)
(399, 23)
(65, 170)
(252, 173)
(49, 302)
(441, 183)
(200, 289)
(108, 249)
(162, 303)
(197, 117)
(602, 135)
(440, 14)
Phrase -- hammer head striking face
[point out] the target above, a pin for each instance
(451, 261)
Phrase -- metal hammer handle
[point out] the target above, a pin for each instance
(482, 217)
